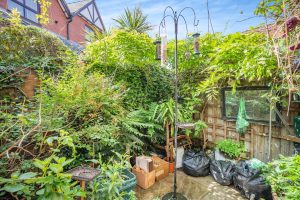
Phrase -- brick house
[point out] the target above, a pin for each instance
(70, 19)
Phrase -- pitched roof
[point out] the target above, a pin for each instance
(82, 8)
(75, 6)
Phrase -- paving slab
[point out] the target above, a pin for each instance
(194, 188)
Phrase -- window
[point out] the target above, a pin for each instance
(257, 104)
(27, 8)
(89, 33)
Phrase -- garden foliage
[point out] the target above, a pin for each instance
(128, 59)
(231, 148)
(283, 175)
(115, 97)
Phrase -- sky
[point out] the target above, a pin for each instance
(227, 16)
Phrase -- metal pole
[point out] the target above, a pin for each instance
(176, 100)
(176, 16)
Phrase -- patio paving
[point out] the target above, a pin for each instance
(194, 188)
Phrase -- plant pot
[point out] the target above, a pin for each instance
(274, 195)
(219, 155)
(171, 167)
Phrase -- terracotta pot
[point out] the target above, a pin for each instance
(171, 167)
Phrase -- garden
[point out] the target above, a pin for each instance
(123, 117)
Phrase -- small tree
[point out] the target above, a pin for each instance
(133, 20)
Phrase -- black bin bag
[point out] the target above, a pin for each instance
(222, 171)
(195, 163)
(256, 188)
(242, 173)
(249, 182)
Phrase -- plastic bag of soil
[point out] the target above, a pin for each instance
(255, 188)
(249, 182)
(242, 173)
(222, 171)
(195, 163)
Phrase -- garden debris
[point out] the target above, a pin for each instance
(196, 163)
(222, 171)
(145, 163)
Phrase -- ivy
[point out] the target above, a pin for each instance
(238, 59)
(28, 47)
(127, 57)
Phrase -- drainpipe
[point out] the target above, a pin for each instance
(68, 27)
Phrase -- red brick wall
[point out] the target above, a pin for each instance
(3, 4)
(77, 32)
(58, 23)
(58, 19)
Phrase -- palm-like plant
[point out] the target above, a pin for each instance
(133, 20)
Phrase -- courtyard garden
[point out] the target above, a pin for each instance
(115, 120)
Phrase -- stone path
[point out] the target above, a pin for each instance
(194, 188)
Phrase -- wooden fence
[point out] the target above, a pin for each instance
(256, 139)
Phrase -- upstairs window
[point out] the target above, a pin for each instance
(89, 33)
(27, 8)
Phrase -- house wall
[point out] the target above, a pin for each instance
(256, 139)
(77, 31)
(58, 24)
(3, 4)
(58, 19)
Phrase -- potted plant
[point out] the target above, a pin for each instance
(229, 149)
(164, 113)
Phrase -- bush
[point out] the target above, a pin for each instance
(20, 44)
(231, 148)
(28, 47)
(109, 183)
(128, 58)
(283, 175)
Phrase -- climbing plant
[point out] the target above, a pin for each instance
(28, 47)
(44, 13)
(129, 59)
(237, 59)
(282, 32)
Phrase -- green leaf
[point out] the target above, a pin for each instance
(15, 175)
(27, 175)
(39, 164)
(13, 188)
(56, 168)
(40, 192)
